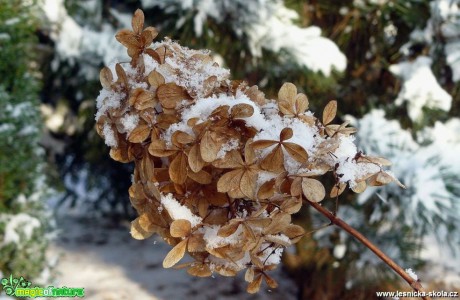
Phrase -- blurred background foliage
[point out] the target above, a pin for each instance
(54, 55)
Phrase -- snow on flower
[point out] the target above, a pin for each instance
(178, 211)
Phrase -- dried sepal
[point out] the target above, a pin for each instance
(170, 94)
(359, 187)
(137, 232)
(313, 190)
(254, 286)
(175, 255)
(199, 270)
(337, 190)
(139, 134)
(180, 228)
(137, 21)
(209, 147)
(106, 78)
(155, 79)
(329, 112)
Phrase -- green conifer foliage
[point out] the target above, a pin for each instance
(23, 219)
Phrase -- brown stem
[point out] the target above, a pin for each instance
(416, 285)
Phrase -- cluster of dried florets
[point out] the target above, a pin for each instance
(219, 169)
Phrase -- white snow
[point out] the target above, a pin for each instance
(214, 241)
(129, 122)
(107, 100)
(350, 170)
(411, 274)
(189, 72)
(16, 225)
(232, 144)
(109, 135)
(83, 40)
(178, 211)
(420, 87)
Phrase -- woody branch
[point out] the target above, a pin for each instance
(416, 285)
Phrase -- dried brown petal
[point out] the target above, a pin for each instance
(195, 161)
(286, 134)
(170, 94)
(158, 148)
(209, 147)
(329, 112)
(279, 223)
(287, 92)
(274, 161)
(254, 286)
(196, 243)
(313, 189)
(122, 78)
(156, 79)
(294, 232)
(249, 275)
(242, 110)
(301, 103)
(228, 229)
(137, 232)
(248, 183)
(201, 177)
(266, 190)
(291, 205)
(106, 78)
(261, 144)
(359, 187)
(127, 38)
(180, 228)
(200, 270)
(337, 190)
(153, 54)
(175, 255)
(137, 21)
(270, 281)
(139, 134)
(144, 100)
(178, 169)
(296, 152)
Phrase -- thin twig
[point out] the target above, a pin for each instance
(416, 285)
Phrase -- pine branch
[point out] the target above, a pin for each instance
(415, 284)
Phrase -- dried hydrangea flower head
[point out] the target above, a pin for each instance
(220, 169)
